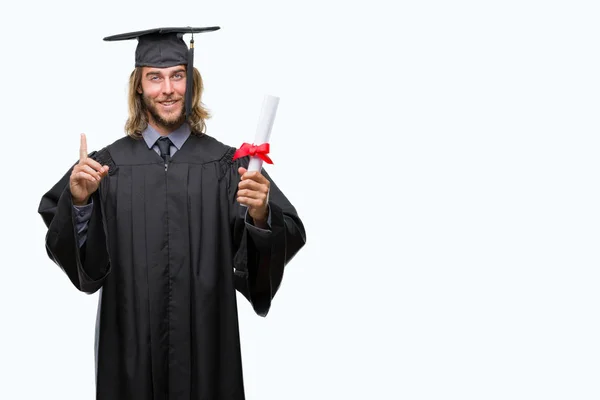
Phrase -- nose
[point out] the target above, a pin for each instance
(167, 87)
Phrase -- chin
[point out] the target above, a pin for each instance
(172, 117)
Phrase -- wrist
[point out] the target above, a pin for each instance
(260, 223)
(80, 202)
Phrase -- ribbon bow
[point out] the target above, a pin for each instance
(251, 150)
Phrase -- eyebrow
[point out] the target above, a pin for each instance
(154, 73)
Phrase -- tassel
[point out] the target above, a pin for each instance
(189, 90)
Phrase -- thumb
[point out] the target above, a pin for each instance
(242, 171)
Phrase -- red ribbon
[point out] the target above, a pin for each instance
(251, 150)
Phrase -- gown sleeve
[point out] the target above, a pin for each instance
(87, 266)
(262, 255)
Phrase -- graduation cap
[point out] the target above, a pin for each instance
(165, 47)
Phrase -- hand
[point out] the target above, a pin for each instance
(253, 191)
(86, 176)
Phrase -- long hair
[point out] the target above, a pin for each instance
(137, 121)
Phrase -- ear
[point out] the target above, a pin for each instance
(139, 90)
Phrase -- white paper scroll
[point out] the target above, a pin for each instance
(263, 131)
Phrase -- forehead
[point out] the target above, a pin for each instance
(162, 71)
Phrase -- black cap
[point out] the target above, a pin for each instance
(160, 47)
(165, 47)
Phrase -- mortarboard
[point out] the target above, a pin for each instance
(165, 47)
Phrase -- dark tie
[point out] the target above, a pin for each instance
(164, 144)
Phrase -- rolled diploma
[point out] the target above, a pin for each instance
(263, 131)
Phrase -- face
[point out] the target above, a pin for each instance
(163, 93)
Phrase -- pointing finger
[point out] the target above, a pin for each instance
(83, 148)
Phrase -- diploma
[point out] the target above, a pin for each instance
(263, 130)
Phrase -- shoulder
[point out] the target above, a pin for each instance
(211, 143)
(110, 154)
(208, 149)
(123, 144)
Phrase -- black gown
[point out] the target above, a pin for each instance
(168, 248)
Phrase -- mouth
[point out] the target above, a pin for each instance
(168, 104)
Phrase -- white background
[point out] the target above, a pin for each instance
(443, 156)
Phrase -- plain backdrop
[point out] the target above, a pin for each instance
(443, 157)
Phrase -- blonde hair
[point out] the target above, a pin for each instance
(137, 121)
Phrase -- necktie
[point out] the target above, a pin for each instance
(164, 144)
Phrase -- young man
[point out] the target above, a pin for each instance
(167, 223)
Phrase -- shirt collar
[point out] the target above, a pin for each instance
(178, 136)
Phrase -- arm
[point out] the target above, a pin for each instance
(258, 230)
(86, 264)
(82, 219)
(262, 254)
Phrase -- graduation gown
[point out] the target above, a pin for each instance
(168, 248)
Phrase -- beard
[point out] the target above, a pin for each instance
(168, 122)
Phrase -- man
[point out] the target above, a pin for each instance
(167, 231)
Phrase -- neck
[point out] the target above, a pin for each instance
(164, 130)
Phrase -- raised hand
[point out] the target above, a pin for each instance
(86, 176)
(253, 191)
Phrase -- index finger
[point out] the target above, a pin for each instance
(256, 176)
(83, 148)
